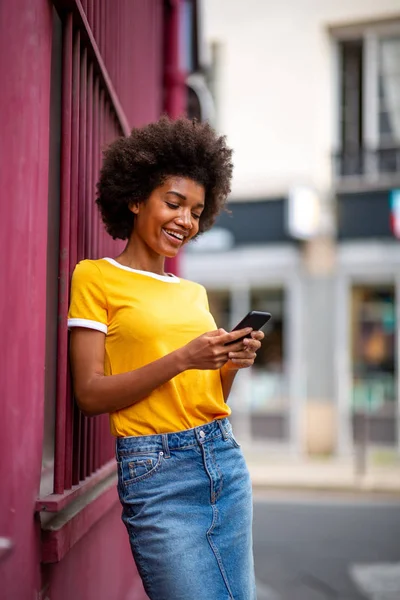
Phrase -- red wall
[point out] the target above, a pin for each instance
(25, 51)
(99, 566)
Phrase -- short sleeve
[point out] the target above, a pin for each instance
(205, 298)
(88, 304)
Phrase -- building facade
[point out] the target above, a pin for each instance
(308, 94)
(77, 74)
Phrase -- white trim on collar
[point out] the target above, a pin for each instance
(168, 278)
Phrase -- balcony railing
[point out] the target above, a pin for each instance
(367, 164)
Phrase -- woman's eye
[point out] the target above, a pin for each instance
(195, 216)
(172, 205)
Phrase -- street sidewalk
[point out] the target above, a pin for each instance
(281, 471)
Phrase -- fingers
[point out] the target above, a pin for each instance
(232, 336)
(243, 355)
(241, 363)
(251, 344)
(257, 335)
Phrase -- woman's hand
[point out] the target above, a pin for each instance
(209, 351)
(243, 358)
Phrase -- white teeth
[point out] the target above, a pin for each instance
(174, 234)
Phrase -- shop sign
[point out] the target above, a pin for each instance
(395, 212)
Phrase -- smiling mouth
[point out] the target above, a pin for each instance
(175, 238)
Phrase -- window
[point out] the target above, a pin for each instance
(269, 389)
(374, 377)
(220, 306)
(389, 103)
(352, 106)
(369, 104)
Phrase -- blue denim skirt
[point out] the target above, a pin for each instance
(187, 506)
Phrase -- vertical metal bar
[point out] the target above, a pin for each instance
(100, 248)
(110, 46)
(82, 249)
(89, 162)
(76, 457)
(75, 151)
(123, 52)
(65, 185)
(175, 92)
(95, 164)
(74, 477)
(118, 61)
(82, 245)
(108, 140)
(110, 36)
(103, 31)
(97, 24)
(89, 219)
(89, 447)
(90, 13)
(83, 447)
(71, 408)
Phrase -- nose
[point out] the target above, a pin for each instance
(184, 219)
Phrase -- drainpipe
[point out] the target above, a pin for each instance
(175, 94)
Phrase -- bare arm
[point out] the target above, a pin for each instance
(227, 379)
(97, 393)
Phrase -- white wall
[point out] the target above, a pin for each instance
(275, 90)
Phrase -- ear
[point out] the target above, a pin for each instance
(134, 207)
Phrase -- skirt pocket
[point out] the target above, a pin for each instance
(137, 467)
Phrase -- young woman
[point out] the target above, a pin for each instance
(146, 350)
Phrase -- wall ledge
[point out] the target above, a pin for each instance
(64, 529)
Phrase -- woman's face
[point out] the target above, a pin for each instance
(169, 218)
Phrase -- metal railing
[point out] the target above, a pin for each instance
(99, 103)
(367, 163)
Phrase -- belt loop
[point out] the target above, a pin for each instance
(222, 428)
(165, 445)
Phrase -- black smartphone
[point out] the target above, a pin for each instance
(256, 319)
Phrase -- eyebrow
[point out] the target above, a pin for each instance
(183, 197)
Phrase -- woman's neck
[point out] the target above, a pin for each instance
(136, 258)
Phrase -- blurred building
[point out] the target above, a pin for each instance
(308, 93)
(76, 74)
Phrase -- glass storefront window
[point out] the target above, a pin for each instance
(219, 302)
(268, 376)
(269, 389)
(374, 374)
(267, 386)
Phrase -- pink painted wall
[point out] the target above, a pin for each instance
(99, 567)
(25, 51)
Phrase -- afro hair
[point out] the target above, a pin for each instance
(136, 165)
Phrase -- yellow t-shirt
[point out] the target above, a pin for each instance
(146, 316)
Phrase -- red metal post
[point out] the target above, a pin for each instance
(174, 77)
(64, 260)
(174, 80)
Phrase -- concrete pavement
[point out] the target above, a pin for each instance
(282, 471)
